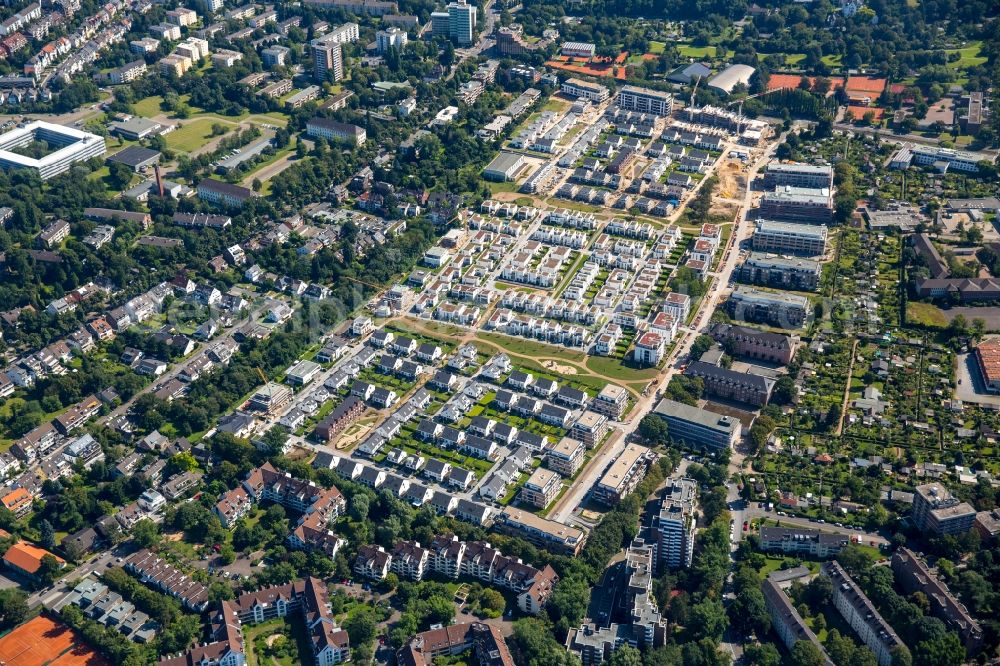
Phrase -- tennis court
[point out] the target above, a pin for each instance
(47, 641)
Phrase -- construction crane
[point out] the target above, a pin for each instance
(694, 90)
(369, 284)
(739, 122)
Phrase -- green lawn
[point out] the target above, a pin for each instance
(506, 186)
(969, 56)
(555, 105)
(831, 60)
(531, 348)
(657, 47)
(688, 51)
(613, 367)
(925, 314)
(148, 107)
(191, 135)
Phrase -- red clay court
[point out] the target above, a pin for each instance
(594, 67)
(776, 81)
(47, 641)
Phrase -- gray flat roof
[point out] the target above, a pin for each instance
(773, 226)
(749, 294)
(702, 417)
(504, 162)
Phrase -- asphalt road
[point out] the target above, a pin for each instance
(51, 597)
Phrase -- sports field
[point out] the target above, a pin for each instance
(47, 641)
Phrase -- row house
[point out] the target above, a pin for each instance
(630, 229)
(457, 314)
(571, 218)
(506, 321)
(564, 237)
(607, 341)
(449, 557)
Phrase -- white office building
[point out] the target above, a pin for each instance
(71, 146)
(462, 22)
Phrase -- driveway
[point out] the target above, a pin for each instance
(970, 383)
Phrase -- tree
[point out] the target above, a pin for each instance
(13, 607)
(701, 345)
(535, 645)
(227, 554)
(854, 559)
(626, 655)
(46, 534)
(762, 654)
(818, 592)
(805, 653)
(653, 428)
(901, 656)
(119, 175)
(943, 650)
(749, 612)
(146, 533)
(708, 619)
(784, 390)
(570, 598)
(492, 602)
(360, 626)
(48, 569)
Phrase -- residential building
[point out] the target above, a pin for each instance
(937, 511)
(804, 204)
(780, 174)
(389, 39)
(18, 501)
(337, 420)
(611, 401)
(675, 525)
(649, 349)
(542, 532)
(801, 541)
(786, 621)
(151, 570)
(328, 61)
(623, 475)
(698, 427)
(409, 560)
(732, 385)
(781, 272)
(913, 575)
(861, 614)
(590, 428)
(566, 456)
(541, 488)
(644, 100)
(755, 344)
(372, 562)
(593, 92)
(774, 308)
(790, 238)
(486, 642)
(331, 130)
